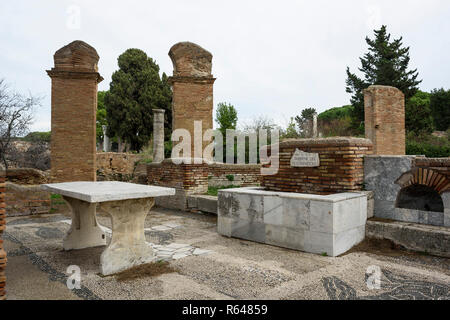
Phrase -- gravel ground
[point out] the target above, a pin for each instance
(223, 268)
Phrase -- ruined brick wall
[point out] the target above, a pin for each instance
(23, 200)
(341, 166)
(192, 85)
(74, 106)
(187, 179)
(384, 110)
(23, 196)
(27, 176)
(244, 175)
(117, 166)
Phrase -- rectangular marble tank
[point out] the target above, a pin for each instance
(319, 224)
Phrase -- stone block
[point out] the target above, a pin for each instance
(319, 224)
(273, 210)
(285, 237)
(296, 212)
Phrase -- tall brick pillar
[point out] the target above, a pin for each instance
(2, 228)
(192, 85)
(384, 110)
(74, 105)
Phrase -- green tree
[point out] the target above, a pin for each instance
(386, 63)
(440, 108)
(304, 121)
(291, 131)
(136, 88)
(226, 117)
(418, 117)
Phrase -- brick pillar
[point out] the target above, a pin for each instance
(192, 85)
(2, 228)
(74, 106)
(158, 135)
(384, 110)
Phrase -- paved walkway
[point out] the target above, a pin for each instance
(209, 266)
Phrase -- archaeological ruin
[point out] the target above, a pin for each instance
(325, 196)
(74, 105)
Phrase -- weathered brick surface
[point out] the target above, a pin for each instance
(27, 176)
(192, 85)
(117, 166)
(187, 179)
(244, 175)
(431, 172)
(2, 228)
(341, 166)
(384, 110)
(74, 103)
(23, 200)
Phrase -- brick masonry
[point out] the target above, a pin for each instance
(430, 172)
(118, 166)
(192, 85)
(74, 104)
(341, 166)
(23, 196)
(187, 179)
(2, 228)
(245, 175)
(384, 110)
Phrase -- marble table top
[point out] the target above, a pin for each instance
(104, 191)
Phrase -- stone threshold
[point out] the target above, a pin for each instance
(428, 239)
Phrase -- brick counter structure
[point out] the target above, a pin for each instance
(74, 105)
(384, 112)
(341, 166)
(187, 179)
(2, 228)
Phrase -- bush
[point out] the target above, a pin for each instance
(428, 145)
(336, 113)
(38, 137)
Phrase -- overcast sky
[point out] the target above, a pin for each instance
(270, 58)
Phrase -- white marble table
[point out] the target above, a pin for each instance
(128, 205)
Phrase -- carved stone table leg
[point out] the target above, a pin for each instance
(84, 232)
(128, 247)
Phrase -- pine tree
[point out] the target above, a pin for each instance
(136, 88)
(386, 63)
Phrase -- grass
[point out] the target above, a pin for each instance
(213, 191)
(56, 199)
(145, 270)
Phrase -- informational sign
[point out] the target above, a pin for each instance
(302, 159)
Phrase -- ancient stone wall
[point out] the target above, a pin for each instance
(245, 175)
(2, 228)
(340, 170)
(192, 85)
(74, 104)
(384, 110)
(112, 166)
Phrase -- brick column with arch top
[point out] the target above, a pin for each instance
(74, 106)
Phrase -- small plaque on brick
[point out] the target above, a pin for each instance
(302, 159)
